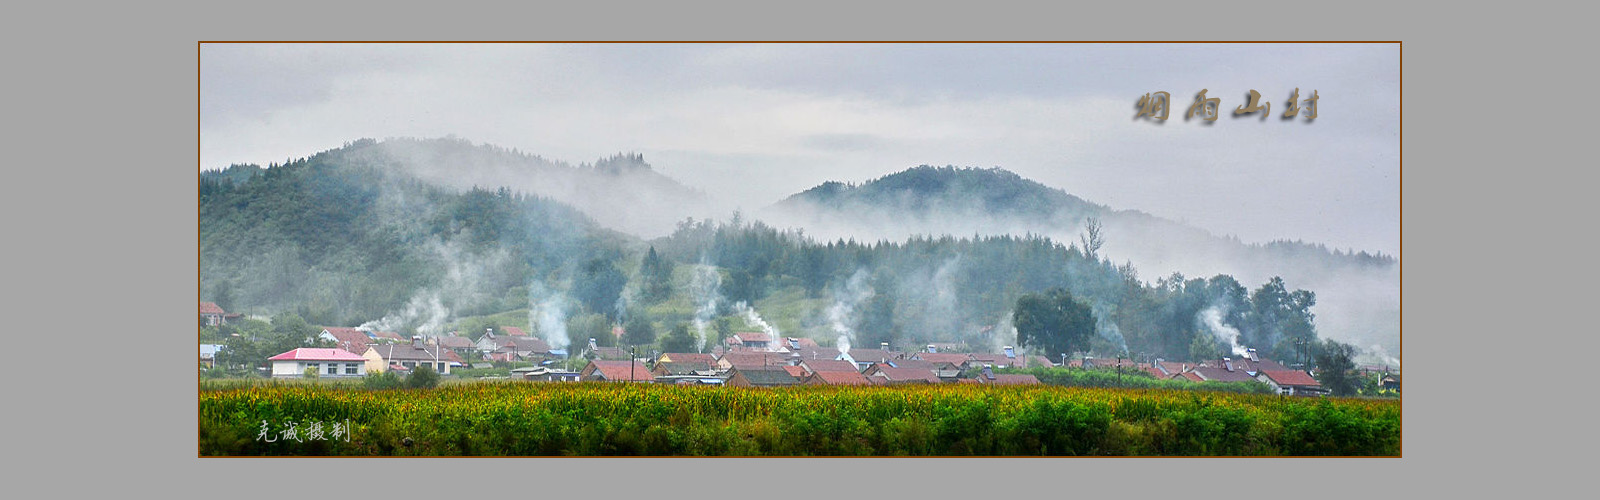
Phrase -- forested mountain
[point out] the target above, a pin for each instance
(1358, 291)
(361, 235)
(342, 240)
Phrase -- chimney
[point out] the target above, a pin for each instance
(1010, 353)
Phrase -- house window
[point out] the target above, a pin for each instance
(409, 364)
(351, 368)
(333, 368)
(439, 367)
(313, 366)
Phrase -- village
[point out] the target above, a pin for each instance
(745, 359)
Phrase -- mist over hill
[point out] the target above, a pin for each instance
(621, 192)
(415, 235)
(1358, 293)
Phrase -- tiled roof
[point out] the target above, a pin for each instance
(689, 357)
(829, 365)
(948, 357)
(800, 343)
(771, 377)
(870, 355)
(795, 371)
(913, 363)
(1214, 374)
(817, 353)
(388, 335)
(529, 344)
(683, 368)
(349, 339)
(455, 342)
(407, 352)
(210, 308)
(619, 370)
(753, 337)
(317, 354)
(1291, 377)
(513, 331)
(906, 374)
(838, 378)
(755, 359)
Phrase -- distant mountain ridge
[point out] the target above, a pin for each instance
(1358, 291)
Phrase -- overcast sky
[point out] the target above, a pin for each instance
(752, 123)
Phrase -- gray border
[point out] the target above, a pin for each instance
(114, 89)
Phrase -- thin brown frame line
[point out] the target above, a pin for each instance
(802, 41)
(1400, 138)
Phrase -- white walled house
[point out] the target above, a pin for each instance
(327, 363)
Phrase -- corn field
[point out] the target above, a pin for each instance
(599, 419)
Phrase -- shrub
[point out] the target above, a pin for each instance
(422, 378)
(381, 380)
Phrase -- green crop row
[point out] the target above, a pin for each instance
(590, 419)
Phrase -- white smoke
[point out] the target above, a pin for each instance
(425, 312)
(465, 281)
(1108, 329)
(547, 312)
(754, 318)
(1211, 317)
(842, 313)
(706, 292)
(1376, 354)
(1005, 334)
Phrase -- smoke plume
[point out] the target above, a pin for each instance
(842, 313)
(547, 312)
(1211, 318)
(706, 292)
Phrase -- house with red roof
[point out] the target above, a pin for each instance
(1221, 374)
(800, 343)
(687, 357)
(213, 315)
(959, 359)
(410, 356)
(750, 341)
(615, 371)
(761, 377)
(349, 339)
(513, 331)
(989, 377)
(683, 368)
(883, 373)
(462, 346)
(747, 359)
(326, 362)
(828, 365)
(1291, 382)
(836, 378)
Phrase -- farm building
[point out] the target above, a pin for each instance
(324, 361)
